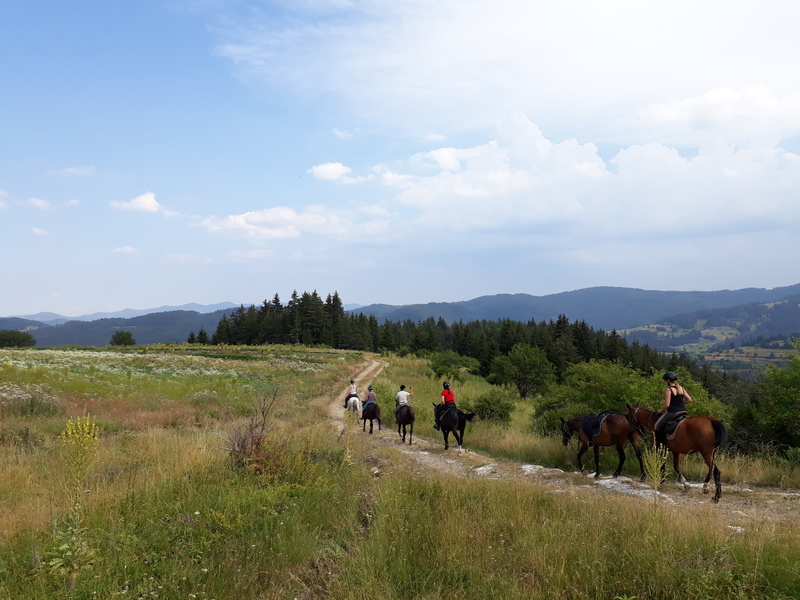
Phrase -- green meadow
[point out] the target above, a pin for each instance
(179, 472)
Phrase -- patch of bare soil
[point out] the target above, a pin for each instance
(743, 506)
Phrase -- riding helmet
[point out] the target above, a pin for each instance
(446, 385)
(369, 388)
(352, 381)
(670, 376)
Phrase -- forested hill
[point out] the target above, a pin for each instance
(605, 308)
(718, 328)
(155, 328)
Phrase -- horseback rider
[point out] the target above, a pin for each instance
(371, 397)
(353, 392)
(448, 402)
(675, 400)
(401, 398)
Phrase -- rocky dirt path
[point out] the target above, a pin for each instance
(742, 506)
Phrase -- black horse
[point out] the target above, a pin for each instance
(405, 417)
(452, 420)
(371, 411)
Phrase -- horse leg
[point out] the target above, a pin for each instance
(676, 460)
(711, 462)
(621, 454)
(717, 483)
(638, 451)
(364, 428)
(581, 452)
(459, 438)
(379, 423)
(446, 439)
(596, 449)
(410, 433)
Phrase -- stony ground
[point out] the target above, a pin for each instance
(743, 506)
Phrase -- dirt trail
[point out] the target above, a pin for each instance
(743, 506)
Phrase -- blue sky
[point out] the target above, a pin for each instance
(166, 152)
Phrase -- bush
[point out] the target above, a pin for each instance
(28, 401)
(10, 338)
(493, 406)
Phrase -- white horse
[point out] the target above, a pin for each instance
(354, 405)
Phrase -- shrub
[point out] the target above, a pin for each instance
(28, 401)
(492, 406)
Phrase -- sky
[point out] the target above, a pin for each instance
(200, 151)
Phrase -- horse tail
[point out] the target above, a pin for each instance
(720, 433)
(468, 416)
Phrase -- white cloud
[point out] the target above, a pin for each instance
(337, 172)
(2, 202)
(38, 231)
(40, 204)
(145, 203)
(330, 171)
(455, 65)
(280, 222)
(521, 184)
(125, 250)
(77, 171)
(752, 115)
(71, 203)
(344, 135)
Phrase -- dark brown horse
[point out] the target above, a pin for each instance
(453, 420)
(694, 434)
(405, 417)
(616, 430)
(371, 411)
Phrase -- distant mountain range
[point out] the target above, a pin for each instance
(49, 318)
(607, 308)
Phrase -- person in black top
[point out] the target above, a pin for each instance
(675, 400)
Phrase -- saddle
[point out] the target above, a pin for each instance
(592, 424)
(671, 427)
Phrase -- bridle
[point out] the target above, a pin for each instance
(638, 420)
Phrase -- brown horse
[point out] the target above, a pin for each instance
(453, 420)
(616, 430)
(405, 417)
(371, 411)
(694, 434)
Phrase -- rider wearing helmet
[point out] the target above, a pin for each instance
(371, 397)
(448, 401)
(675, 400)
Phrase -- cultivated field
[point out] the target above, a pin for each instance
(153, 506)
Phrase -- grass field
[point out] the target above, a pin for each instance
(154, 507)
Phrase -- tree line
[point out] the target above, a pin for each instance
(307, 319)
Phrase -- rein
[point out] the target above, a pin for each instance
(636, 416)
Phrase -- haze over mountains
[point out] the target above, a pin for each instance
(49, 318)
(607, 308)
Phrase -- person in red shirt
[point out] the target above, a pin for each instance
(448, 402)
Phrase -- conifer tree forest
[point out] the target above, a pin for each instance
(308, 320)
